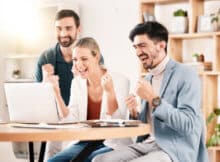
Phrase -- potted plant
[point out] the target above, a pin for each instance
(195, 57)
(179, 23)
(214, 140)
(216, 20)
(198, 57)
(180, 12)
(16, 73)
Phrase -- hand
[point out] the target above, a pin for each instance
(47, 71)
(75, 70)
(145, 90)
(132, 104)
(107, 83)
(48, 76)
(54, 79)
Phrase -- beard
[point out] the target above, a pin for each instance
(146, 65)
(151, 58)
(68, 41)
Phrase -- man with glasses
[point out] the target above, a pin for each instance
(171, 98)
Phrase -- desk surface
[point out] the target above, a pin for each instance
(9, 133)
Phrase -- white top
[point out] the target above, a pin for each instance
(158, 73)
(79, 103)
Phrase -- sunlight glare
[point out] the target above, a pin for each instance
(20, 19)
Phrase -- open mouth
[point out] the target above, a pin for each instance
(143, 57)
(65, 40)
(82, 71)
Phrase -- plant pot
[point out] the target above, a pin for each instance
(148, 17)
(179, 24)
(216, 21)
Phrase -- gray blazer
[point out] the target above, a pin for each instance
(177, 121)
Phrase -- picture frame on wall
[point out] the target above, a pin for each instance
(205, 24)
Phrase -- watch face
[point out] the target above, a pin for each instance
(156, 101)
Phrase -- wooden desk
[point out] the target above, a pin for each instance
(8, 133)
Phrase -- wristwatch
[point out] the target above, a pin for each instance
(156, 101)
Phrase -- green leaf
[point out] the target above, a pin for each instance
(217, 111)
(213, 141)
(195, 55)
(217, 128)
(180, 12)
(214, 19)
(210, 117)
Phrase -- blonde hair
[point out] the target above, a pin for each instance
(90, 43)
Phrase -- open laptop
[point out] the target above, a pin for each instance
(31, 103)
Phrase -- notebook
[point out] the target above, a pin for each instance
(31, 102)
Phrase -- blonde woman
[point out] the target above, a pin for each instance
(96, 93)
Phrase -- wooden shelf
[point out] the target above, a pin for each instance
(24, 56)
(209, 73)
(194, 35)
(162, 1)
(214, 153)
(202, 73)
(214, 148)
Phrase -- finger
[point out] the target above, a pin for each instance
(133, 110)
(140, 81)
(107, 76)
(56, 77)
(75, 70)
(132, 106)
(103, 79)
(129, 99)
(131, 103)
(137, 88)
(131, 95)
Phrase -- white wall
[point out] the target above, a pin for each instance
(6, 46)
(109, 22)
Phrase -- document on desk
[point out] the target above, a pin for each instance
(49, 126)
(112, 123)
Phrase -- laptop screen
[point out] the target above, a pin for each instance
(31, 102)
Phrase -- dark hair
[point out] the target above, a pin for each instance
(68, 13)
(154, 30)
